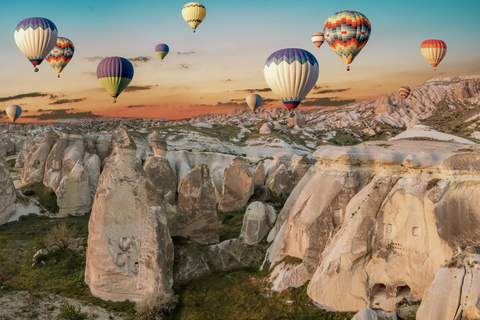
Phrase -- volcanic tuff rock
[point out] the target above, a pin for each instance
(130, 252)
(257, 221)
(196, 217)
(163, 178)
(373, 223)
(73, 193)
(7, 192)
(26, 147)
(34, 167)
(93, 167)
(259, 175)
(455, 291)
(238, 186)
(280, 183)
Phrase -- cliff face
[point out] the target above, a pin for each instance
(373, 223)
(7, 192)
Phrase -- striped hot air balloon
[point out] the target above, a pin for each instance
(115, 73)
(253, 101)
(193, 13)
(35, 37)
(291, 74)
(404, 92)
(433, 51)
(61, 54)
(318, 39)
(13, 112)
(347, 32)
(162, 50)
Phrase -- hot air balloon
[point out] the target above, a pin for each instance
(35, 37)
(347, 32)
(254, 101)
(318, 39)
(161, 50)
(404, 92)
(193, 13)
(433, 51)
(115, 73)
(61, 54)
(13, 112)
(291, 74)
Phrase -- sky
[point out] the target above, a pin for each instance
(225, 56)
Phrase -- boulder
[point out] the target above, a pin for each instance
(257, 221)
(197, 208)
(158, 144)
(237, 186)
(7, 192)
(265, 129)
(280, 183)
(259, 175)
(163, 178)
(73, 193)
(130, 252)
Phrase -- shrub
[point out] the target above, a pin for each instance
(61, 236)
(70, 312)
(156, 306)
(5, 275)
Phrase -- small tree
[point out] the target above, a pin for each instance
(5, 275)
(61, 236)
(156, 306)
(70, 312)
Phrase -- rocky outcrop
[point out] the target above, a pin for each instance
(7, 192)
(257, 221)
(298, 120)
(93, 167)
(374, 222)
(280, 183)
(238, 186)
(26, 147)
(196, 217)
(130, 253)
(259, 175)
(73, 193)
(34, 167)
(265, 129)
(455, 291)
(300, 166)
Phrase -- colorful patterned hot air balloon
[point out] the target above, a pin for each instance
(61, 54)
(318, 39)
(291, 74)
(115, 73)
(35, 37)
(193, 13)
(347, 32)
(404, 92)
(433, 51)
(161, 50)
(13, 112)
(254, 101)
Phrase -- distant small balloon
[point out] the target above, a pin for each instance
(114, 74)
(253, 101)
(61, 54)
(13, 112)
(193, 13)
(162, 50)
(433, 51)
(404, 92)
(35, 37)
(318, 39)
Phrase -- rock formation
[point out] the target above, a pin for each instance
(257, 221)
(34, 167)
(73, 193)
(7, 192)
(238, 186)
(130, 253)
(197, 208)
(259, 175)
(280, 183)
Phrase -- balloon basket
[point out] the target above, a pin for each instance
(292, 114)
(36, 69)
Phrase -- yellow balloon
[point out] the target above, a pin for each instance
(193, 13)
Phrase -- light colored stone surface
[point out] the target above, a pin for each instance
(238, 186)
(300, 166)
(280, 182)
(196, 217)
(73, 193)
(93, 167)
(257, 221)
(298, 120)
(265, 129)
(7, 192)
(163, 178)
(259, 175)
(130, 252)
(34, 167)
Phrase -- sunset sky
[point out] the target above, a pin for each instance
(226, 54)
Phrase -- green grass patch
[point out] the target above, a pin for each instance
(230, 224)
(46, 197)
(245, 294)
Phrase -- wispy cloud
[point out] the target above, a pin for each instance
(186, 53)
(23, 95)
(137, 106)
(63, 101)
(256, 90)
(136, 88)
(184, 65)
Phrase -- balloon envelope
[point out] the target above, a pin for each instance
(254, 101)
(162, 50)
(347, 32)
(404, 91)
(433, 51)
(35, 37)
(318, 39)
(291, 74)
(13, 112)
(61, 54)
(115, 73)
(193, 13)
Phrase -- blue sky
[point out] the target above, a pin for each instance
(233, 42)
